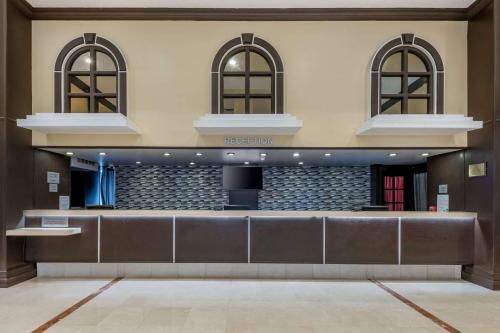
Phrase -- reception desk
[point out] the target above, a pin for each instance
(280, 237)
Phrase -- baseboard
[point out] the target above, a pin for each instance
(483, 278)
(17, 275)
(250, 271)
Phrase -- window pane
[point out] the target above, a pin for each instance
(388, 196)
(417, 105)
(106, 84)
(104, 62)
(79, 84)
(393, 63)
(260, 105)
(418, 85)
(236, 63)
(391, 106)
(415, 64)
(391, 85)
(82, 63)
(78, 104)
(399, 182)
(258, 63)
(234, 85)
(234, 105)
(106, 105)
(388, 182)
(260, 85)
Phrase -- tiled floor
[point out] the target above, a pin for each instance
(149, 305)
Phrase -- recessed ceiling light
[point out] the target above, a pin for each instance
(70, 153)
(199, 154)
(301, 163)
(262, 158)
(263, 154)
(393, 154)
(166, 154)
(192, 163)
(296, 154)
(247, 163)
(138, 162)
(88, 60)
(102, 154)
(231, 154)
(328, 154)
(425, 154)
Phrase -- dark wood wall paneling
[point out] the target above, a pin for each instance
(16, 160)
(253, 14)
(46, 161)
(447, 169)
(482, 193)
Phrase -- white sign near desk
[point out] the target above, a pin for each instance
(53, 188)
(54, 221)
(443, 203)
(64, 202)
(52, 177)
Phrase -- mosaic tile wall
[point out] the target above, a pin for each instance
(200, 187)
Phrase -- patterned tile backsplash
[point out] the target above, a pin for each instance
(200, 187)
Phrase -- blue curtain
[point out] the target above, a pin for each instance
(107, 181)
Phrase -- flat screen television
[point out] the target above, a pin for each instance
(242, 178)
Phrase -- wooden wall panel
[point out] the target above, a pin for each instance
(447, 169)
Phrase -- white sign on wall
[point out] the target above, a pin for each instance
(53, 188)
(64, 202)
(443, 189)
(52, 177)
(443, 203)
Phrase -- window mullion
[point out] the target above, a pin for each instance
(93, 57)
(247, 80)
(405, 80)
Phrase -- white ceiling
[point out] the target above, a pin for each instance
(309, 157)
(256, 3)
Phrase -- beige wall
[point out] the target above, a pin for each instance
(326, 76)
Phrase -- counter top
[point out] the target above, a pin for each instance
(126, 212)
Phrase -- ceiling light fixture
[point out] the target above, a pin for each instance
(231, 154)
(199, 154)
(263, 154)
(393, 155)
(425, 154)
(247, 163)
(296, 154)
(192, 163)
(301, 163)
(328, 154)
(102, 154)
(166, 154)
(70, 153)
(138, 162)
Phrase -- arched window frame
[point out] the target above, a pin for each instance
(428, 54)
(255, 44)
(76, 47)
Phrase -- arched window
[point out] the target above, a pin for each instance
(90, 76)
(407, 77)
(247, 78)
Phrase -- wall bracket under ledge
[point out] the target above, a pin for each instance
(79, 123)
(248, 124)
(418, 124)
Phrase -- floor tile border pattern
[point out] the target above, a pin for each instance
(417, 308)
(73, 308)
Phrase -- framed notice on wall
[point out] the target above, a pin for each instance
(477, 170)
(443, 203)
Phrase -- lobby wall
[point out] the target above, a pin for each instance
(326, 77)
(200, 187)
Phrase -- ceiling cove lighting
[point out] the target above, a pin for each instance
(69, 153)
(393, 155)
(425, 154)
(296, 155)
(328, 154)
(199, 154)
(231, 154)
(102, 154)
(166, 154)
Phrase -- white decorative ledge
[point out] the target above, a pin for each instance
(79, 123)
(44, 232)
(248, 124)
(418, 124)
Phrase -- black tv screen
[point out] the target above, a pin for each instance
(242, 178)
